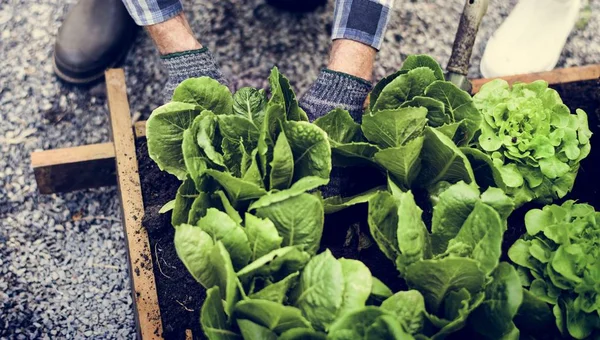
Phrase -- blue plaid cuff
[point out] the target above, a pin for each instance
(150, 12)
(364, 21)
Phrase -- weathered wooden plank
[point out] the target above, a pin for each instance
(140, 129)
(557, 76)
(130, 192)
(69, 169)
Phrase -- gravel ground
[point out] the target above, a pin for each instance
(63, 270)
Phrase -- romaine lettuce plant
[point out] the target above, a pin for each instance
(456, 266)
(534, 143)
(234, 151)
(559, 263)
(413, 128)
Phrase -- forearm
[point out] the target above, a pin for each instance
(359, 27)
(174, 35)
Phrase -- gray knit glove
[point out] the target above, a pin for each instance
(340, 90)
(190, 64)
(335, 90)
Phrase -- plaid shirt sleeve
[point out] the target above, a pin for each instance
(364, 21)
(150, 12)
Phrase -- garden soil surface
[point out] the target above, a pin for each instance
(346, 233)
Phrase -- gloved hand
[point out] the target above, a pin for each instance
(189, 64)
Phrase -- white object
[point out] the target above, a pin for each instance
(531, 39)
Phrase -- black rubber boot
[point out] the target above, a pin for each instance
(95, 35)
(297, 5)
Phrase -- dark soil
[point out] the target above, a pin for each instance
(346, 233)
(180, 297)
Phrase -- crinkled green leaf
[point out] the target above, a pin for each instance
(282, 165)
(237, 188)
(383, 223)
(277, 292)
(351, 154)
(339, 126)
(503, 297)
(184, 199)
(212, 318)
(321, 290)
(403, 88)
(262, 235)
(164, 133)
(442, 160)
(303, 185)
(253, 331)
(358, 284)
(194, 246)
(421, 60)
(250, 103)
(226, 278)
(458, 105)
(391, 128)
(436, 113)
(233, 237)
(299, 220)
(282, 94)
(480, 238)
(277, 264)
(412, 235)
(402, 162)
(205, 92)
(337, 203)
(454, 207)
(387, 327)
(435, 279)
(271, 315)
(311, 149)
(409, 308)
(374, 94)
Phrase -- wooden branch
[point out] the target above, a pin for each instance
(69, 169)
(557, 76)
(147, 311)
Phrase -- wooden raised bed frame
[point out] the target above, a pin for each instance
(115, 162)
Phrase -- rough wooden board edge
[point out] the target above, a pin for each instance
(69, 169)
(145, 297)
(557, 76)
(140, 129)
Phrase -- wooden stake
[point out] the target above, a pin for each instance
(130, 192)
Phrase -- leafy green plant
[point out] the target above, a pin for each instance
(456, 266)
(233, 151)
(413, 128)
(533, 141)
(558, 259)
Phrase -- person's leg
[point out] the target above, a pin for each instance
(359, 26)
(181, 53)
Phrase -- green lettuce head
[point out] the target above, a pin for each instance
(534, 141)
(559, 262)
